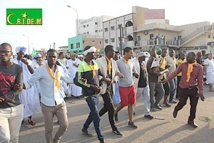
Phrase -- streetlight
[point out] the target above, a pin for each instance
(77, 18)
(27, 42)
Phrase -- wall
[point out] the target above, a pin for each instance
(74, 41)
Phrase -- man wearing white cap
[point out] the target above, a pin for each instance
(88, 78)
(142, 84)
(29, 97)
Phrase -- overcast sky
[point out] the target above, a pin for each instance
(59, 20)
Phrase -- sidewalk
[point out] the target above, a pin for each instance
(169, 130)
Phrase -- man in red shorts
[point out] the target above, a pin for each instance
(126, 84)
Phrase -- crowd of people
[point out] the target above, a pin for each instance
(30, 85)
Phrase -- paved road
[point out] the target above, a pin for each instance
(169, 130)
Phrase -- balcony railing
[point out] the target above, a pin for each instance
(156, 26)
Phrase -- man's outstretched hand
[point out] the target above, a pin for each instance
(201, 95)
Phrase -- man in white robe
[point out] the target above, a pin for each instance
(209, 71)
(29, 97)
(72, 65)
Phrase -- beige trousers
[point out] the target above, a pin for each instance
(60, 112)
(10, 123)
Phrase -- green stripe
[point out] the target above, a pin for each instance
(80, 81)
(84, 67)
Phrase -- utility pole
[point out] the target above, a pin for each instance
(121, 48)
(54, 46)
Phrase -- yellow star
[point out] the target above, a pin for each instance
(24, 15)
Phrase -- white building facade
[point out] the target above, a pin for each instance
(92, 26)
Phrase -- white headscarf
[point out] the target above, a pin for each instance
(90, 50)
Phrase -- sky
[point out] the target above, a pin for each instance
(59, 20)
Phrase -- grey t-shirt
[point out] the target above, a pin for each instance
(127, 69)
(9, 76)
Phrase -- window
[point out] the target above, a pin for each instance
(72, 46)
(87, 32)
(112, 27)
(93, 41)
(87, 25)
(95, 30)
(209, 36)
(112, 40)
(78, 45)
(83, 41)
(96, 23)
(106, 40)
(138, 38)
(84, 26)
(106, 29)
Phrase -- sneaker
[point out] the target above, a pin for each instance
(173, 101)
(85, 132)
(131, 124)
(158, 107)
(167, 104)
(148, 117)
(154, 109)
(116, 132)
(116, 117)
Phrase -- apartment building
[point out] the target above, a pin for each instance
(92, 26)
(119, 31)
(145, 28)
(90, 32)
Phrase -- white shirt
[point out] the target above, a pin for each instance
(50, 95)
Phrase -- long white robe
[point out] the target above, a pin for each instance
(35, 65)
(74, 90)
(29, 97)
(64, 86)
(210, 71)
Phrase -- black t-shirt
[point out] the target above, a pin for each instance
(143, 79)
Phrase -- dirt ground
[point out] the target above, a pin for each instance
(169, 130)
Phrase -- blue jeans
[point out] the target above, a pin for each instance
(172, 87)
(156, 87)
(93, 102)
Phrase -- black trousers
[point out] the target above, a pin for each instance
(108, 107)
(193, 96)
(178, 87)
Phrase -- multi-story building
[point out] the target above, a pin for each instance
(119, 31)
(78, 43)
(92, 26)
(145, 28)
(90, 32)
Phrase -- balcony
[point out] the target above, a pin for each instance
(153, 26)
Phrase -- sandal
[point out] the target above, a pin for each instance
(31, 122)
